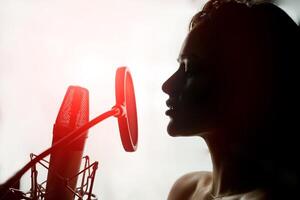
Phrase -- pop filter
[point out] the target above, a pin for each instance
(127, 118)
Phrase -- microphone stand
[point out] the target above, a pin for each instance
(68, 139)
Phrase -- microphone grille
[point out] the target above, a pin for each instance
(74, 111)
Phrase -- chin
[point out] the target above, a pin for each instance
(178, 128)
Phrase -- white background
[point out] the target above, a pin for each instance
(45, 46)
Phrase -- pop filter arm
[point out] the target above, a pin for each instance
(124, 110)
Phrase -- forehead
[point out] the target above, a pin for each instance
(197, 44)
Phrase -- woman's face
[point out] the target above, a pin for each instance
(191, 89)
(220, 85)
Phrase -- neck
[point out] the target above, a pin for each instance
(234, 165)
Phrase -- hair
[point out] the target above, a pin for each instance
(211, 6)
(261, 36)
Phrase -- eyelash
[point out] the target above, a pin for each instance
(183, 66)
(187, 69)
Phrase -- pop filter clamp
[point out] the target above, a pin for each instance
(124, 110)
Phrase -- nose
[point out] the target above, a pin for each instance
(170, 85)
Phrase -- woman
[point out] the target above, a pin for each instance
(236, 87)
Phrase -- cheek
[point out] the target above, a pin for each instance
(197, 91)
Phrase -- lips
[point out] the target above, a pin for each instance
(172, 107)
(170, 112)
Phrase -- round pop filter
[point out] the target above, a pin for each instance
(127, 120)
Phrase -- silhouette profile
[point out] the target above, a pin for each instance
(237, 87)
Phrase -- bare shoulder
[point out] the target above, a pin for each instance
(190, 185)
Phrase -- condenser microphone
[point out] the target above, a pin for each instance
(65, 162)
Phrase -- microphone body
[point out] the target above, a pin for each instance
(65, 163)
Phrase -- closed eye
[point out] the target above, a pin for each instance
(193, 66)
